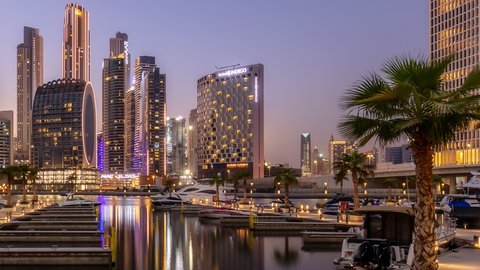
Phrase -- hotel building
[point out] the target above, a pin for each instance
(230, 121)
(29, 78)
(6, 138)
(76, 43)
(64, 136)
(455, 29)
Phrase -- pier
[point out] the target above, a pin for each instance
(54, 237)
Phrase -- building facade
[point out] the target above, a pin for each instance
(100, 152)
(132, 131)
(176, 146)
(150, 102)
(336, 148)
(230, 121)
(6, 138)
(305, 154)
(76, 43)
(114, 82)
(119, 47)
(398, 154)
(192, 143)
(64, 130)
(454, 29)
(29, 78)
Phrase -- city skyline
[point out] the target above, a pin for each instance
(298, 52)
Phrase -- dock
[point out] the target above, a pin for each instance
(54, 238)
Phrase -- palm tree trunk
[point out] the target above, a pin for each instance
(424, 234)
(34, 191)
(244, 190)
(341, 186)
(9, 191)
(24, 181)
(235, 194)
(356, 202)
(287, 204)
(218, 196)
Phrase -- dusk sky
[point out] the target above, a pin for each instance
(312, 51)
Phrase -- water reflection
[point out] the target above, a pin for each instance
(163, 240)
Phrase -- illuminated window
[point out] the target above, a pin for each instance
(245, 79)
(229, 109)
(224, 82)
(228, 95)
(249, 111)
(238, 85)
(250, 97)
(229, 127)
(219, 93)
(235, 117)
(245, 88)
(238, 131)
(250, 135)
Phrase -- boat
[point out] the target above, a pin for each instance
(333, 206)
(75, 201)
(386, 239)
(203, 193)
(171, 200)
(464, 207)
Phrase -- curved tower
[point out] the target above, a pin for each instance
(64, 125)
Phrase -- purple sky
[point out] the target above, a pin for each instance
(312, 51)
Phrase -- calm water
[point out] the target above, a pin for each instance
(161, 240)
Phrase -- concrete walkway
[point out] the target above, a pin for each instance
(464, 258)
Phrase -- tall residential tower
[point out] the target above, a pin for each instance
(29, 77)
(305, 154)
(76, 43)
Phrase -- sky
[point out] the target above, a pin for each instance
(312, 50)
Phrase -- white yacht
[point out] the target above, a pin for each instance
(202, 192)
(72, 200)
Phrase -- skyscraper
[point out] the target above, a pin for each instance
(100, 152)
(6, 138)
(76, 43)
(29, 77)
(455, 29)
(132, 131)
(230, 121)
(119, 47)
(114, 82)
(336, 148)
(315, 161)
(192, 142)
(305, 154)
(150, 95)
(176, 146)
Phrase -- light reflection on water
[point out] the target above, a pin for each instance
(163, 240)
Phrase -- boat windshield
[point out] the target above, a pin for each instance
(395, 227)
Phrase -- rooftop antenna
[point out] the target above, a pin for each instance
(230, 66)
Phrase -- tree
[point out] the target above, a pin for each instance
(288, 256)
(357, 164)
(33, 177)
(408, 102)
(169, 184)
(339, 177)
(11, 172)
(286, 178)
(235, 180)
(72, 179)
(23, 171)
(217, 180)
(244, 175)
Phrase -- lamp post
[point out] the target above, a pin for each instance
(325, 188)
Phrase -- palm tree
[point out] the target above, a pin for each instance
(235, 180)
(357, 164)
(339, 177)
(33, 177)
(287, 178)
(72, 179)
(408, 102)
(24, 170)
(217, 180)
(11, 172)
(288, 256)
(169, 184)
(244, 175)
